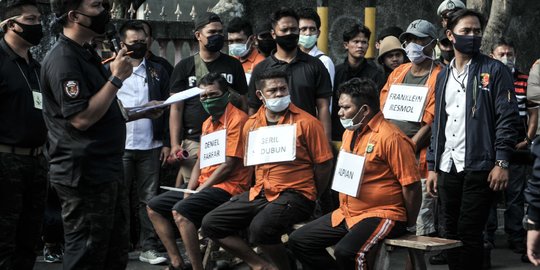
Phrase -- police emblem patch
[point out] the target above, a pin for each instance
(485, 79)
(71, 88)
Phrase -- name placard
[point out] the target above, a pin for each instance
(405, 102)
(213, 148)
(348, 173)
(271, 144)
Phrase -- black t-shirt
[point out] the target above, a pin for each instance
(344, 72)
(22, 123)
(71, 75)
(183, 78)
(308, 80)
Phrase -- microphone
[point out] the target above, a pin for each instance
(112, 35)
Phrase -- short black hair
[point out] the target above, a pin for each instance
(269, 74)
(361, 89)
(456, 16)
(310, 14)
(281, 13)
(148, 25)
(61, 7)
(237, 25)
(131, 25)
(354, 30)
(503, 42)
(15, 8)
(215, 78)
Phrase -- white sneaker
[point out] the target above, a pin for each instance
(152, 257)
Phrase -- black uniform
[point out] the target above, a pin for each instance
(308, 80)
(22, 166)
(85, 166)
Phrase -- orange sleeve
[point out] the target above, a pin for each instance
(401, 159)
(317, 143)
(429, 111)
(235, 141)
(384, 91)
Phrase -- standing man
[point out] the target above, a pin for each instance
(242, 44)
(310, 25)
(147, 141)
(215, 183)
(504, 51)
(264, 42)
(356, 42)
(285, 190)
(308, 80)
(86, 138)
(474, 135)
(22, 135)
(187, 117)
(149, 54)
(420, 41)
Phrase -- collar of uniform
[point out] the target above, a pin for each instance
(315, 51)
(261, 114)
(140, 70)
(374, 123)
(252, 56)
(13, 56)
(465, 70)
(80, 49)
(300, 57)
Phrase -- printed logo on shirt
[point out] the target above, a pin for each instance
(228, 77)
(71, 88)
(485, 81)
(192, 81)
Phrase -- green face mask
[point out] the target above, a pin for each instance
(215, 107)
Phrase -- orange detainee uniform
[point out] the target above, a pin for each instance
(389, 166)
(312, 148)
(233, 120)
(396, 77)
(252, 60)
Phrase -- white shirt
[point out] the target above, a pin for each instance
(327, 62)
(454, 148)
(134, 92)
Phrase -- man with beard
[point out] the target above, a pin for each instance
(309, 82)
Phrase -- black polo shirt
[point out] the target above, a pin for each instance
(22, 123)
(344, 72)
(71, 75)
(308, 80)
(183, 78)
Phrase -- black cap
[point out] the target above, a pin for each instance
(15, 3)
(205, 18)
(390, 31)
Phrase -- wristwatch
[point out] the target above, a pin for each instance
(530, 225)
(502, 163)
(115, 81)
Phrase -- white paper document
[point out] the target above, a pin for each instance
(179, 189)
(180, 96)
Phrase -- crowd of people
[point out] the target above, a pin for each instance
(428, 138)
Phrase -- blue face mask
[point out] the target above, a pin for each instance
(238, 49)
(307, 41)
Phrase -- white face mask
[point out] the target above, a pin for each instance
(238, 49)
(415, 52)
(349, 123)
(277, 104)
(510, 62)
(307, 41)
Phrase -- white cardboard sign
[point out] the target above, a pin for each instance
(213, 148)
(271, 144)
(405, 102)
(348, 173)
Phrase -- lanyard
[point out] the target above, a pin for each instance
(26, 79)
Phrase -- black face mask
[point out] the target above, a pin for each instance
(266, 46)
(287, 42)
(99, 22)
(215, 43)
(32, 33)
(466, 44)
(447, 55)
(138, 49)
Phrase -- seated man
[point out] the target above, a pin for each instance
(215, 176)
(388, 195)
(292, 161)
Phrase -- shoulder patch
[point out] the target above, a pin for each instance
(71, 88)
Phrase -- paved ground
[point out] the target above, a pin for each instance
(501, 258)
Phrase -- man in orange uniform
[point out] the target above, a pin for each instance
(214, 179)
(420, 39)
(388, 196)
(285, 190)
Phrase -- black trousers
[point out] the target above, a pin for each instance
(466, 199)
(309, 243)
(96, 224)
(23, 181)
